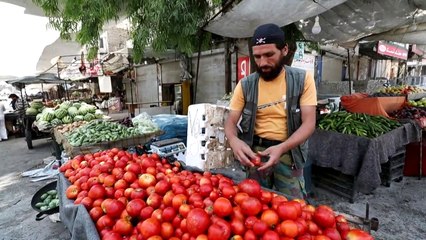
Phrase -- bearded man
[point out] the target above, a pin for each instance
(272, 115)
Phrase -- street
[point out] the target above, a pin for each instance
(17, 218)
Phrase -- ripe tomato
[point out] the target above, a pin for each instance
(162, 186)
(270, 235)
(167, 230)
(251, 206)
(169, 213)
(146, 212)
(178, 200)
(324, 217)
(135, 206)
(197, 221)
(218, 232)
(332, 233)
(149, 227)
(289, 228)
(259, 228)
(249, 235)
(251, 187)
(95, 213)
(146, 180)
(287, 211)
(103, 222)
(228, 192)
(222, 207)
(257, 161)
(123, 227)
(72, 192)
(97, 192)
(357, 234)
(114, 208)
(237, 226)
(270, 217)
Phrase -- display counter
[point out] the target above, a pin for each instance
(359, 156)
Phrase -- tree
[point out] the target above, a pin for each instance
(161, 24)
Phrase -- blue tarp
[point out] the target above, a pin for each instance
(173, 126)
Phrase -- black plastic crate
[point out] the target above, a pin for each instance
(393, 169)
(334, 181)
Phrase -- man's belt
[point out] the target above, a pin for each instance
(263, 142)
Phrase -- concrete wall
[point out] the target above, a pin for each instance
(211, 77)
(331, 69)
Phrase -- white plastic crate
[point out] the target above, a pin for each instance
(207, 147)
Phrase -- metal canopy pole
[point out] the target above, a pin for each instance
(349, 72)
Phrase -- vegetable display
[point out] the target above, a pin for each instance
(358, 124)
(146, 197)
(100, 131)
(67, 112)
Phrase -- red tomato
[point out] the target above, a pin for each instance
(259, 228)
(167, 230)
(146, 212)
(130, 177)
(237, 226)
(270, 235)
(332, 233)
(357, 234)
(178, 200)
(87, 202)
(249, 235)
(146, 180)
(114, 208)
(228, 192)
(95, 213)
(154, 200)
(72, 192)
(249, 222)
(240, 197)
(184, 210)
(109, 181)
(133, 167)
(138, 193)
(222, 207)
(251, 206)
(97, 191)
(321, 237)
(149, 227)
(123, 227)
(289, 228)
(287, 211)
(324, 217)
(135, 206)
(221, 229)
(197, 221)
(270, 217)
(251, 187)
(206, 189)
(162, 187)
(257, 161)
(265, 196)
(169, 213)
(103, 222)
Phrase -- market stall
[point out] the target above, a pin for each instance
(359, 157)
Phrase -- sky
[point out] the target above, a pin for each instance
(23, 38)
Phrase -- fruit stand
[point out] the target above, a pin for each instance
(147, 197)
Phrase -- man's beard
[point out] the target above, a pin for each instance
(275, 71)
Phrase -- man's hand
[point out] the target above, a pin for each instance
(274, 153)
(242, 152)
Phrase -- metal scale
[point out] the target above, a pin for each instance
(169, 147)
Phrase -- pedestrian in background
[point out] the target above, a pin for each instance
(3, 132)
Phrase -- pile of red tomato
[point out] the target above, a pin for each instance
(145, 197)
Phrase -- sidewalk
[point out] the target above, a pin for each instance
(17, 218)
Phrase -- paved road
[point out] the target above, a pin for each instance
(17, 218)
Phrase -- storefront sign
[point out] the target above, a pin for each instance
(392, 50)
(306, 63)
(243, 67)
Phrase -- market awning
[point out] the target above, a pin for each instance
(242, 20)
(342, 22)
(45, 78)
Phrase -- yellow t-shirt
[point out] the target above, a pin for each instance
(271, 116)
